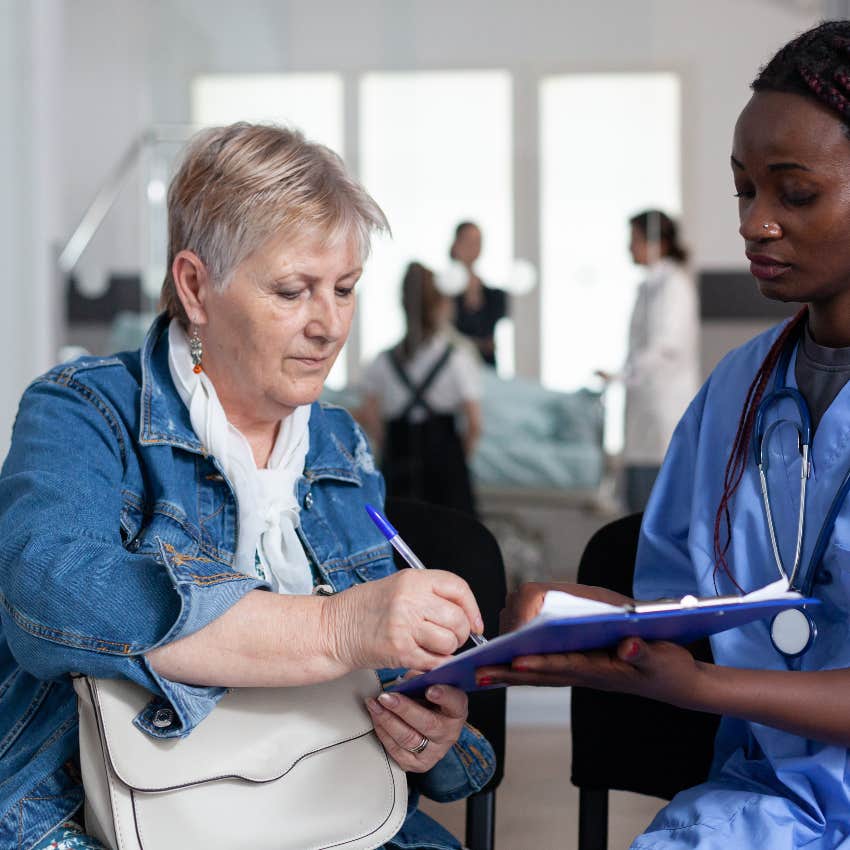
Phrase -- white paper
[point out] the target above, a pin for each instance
(559, 604)
(774, 590)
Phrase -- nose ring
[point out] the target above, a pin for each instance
(766, 226)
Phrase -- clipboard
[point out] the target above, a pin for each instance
(574, 634)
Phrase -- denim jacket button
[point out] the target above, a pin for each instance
(163, 718)
(308, 500)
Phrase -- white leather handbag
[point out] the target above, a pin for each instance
(277, 768)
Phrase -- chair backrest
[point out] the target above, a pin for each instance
(450, 540)
(625, 742)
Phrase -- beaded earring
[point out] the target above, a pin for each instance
(196, 349)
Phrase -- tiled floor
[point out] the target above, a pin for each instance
(536, 806)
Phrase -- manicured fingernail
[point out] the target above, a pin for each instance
(479, 626)
(388, 700)
(633, 649)
(485, 680)
(521, 665)
(434, 693)
(373, 706)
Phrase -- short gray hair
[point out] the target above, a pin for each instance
(239, 185)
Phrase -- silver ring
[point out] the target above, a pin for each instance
(419, 747)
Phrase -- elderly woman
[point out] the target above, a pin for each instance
(167, 513)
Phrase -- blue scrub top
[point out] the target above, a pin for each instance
(767, 788)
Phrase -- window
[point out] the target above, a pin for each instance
(610, 147)
(311, 102)
(435, 150)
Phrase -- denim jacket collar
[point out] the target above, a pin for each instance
(164, 418)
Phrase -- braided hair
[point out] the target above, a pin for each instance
(815, 65)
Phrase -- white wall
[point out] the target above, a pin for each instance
(717, 46)
(30, 56)
(105, 104)
(82, 77)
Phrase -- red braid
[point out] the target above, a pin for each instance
(737, 462)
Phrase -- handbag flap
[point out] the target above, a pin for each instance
(256, 734)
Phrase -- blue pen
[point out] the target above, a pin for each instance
(386, 528)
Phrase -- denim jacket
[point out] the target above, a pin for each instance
(118, 535)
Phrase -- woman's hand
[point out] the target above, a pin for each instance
(413, 618)
(402, 724)
(659, 670)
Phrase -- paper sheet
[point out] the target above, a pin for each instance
(559, 604)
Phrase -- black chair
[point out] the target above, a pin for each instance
(623, 742)
(450, 540)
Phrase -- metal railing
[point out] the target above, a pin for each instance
(105, 198)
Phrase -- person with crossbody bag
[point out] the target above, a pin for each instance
(197, 613)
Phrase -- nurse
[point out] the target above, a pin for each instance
(779, 777)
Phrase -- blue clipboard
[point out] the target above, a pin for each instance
(575, 634)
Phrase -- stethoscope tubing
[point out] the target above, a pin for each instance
(804, 431)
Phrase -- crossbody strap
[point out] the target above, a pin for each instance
(418, 391)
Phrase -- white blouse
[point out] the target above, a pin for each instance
(459, 380)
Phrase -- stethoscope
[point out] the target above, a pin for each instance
(793, 630)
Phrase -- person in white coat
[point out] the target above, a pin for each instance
(661, 372)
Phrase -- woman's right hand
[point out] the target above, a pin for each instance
(413, 618)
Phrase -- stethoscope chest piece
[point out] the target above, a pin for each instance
(792, 632)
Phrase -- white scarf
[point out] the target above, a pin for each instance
(268, 545)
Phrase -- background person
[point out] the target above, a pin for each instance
(782, 753)
(129, 476)
(422, 401)
(661, 373)
(478, 308)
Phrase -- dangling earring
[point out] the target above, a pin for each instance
(196, 349)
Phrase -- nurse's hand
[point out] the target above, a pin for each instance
(659, 670)
(418, 734)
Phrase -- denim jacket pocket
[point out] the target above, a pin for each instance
(377, 563)
(164, 522)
